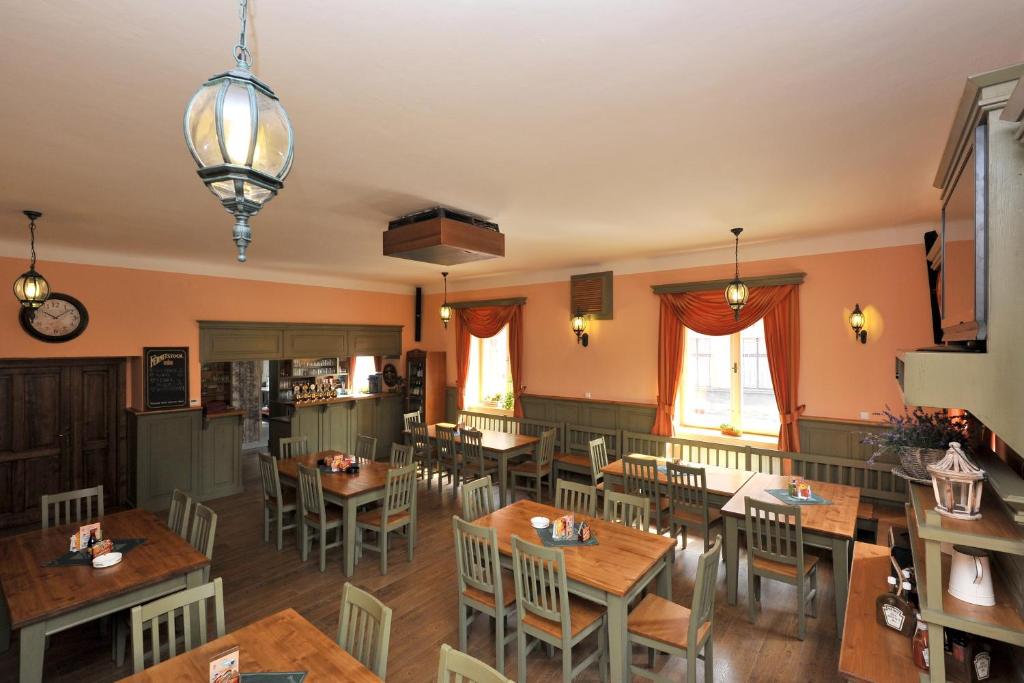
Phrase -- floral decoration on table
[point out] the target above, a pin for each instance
(339, 463)
(918, 438)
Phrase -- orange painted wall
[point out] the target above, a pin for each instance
(130, 309)
(839, 376)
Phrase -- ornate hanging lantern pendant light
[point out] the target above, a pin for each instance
(736, 292)
(241, 139)
(31, 289)
(446, 310)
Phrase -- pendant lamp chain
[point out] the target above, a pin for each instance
(242, 54)
(32, 239)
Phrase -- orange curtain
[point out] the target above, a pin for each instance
(484, 322)
(706, 312)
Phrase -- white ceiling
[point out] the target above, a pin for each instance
(590, 130)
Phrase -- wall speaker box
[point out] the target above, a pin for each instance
(418, 314)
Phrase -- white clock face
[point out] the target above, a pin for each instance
(56, 318)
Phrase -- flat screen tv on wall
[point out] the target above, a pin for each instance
(963, 284)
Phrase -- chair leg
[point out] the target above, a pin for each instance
(751, 595)
(305, 541)
(685, 529)
(520, 655)
(410, 538)
(814, 592)
(463, 627)
(266, 523)
(322, 534)
(566, 662)
(383, 541)
(602, 658)
(280, 530)
(499, 642)
(691, 664)
(709, 660)
(801, 607)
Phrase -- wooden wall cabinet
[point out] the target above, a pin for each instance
(376, 343)
(229, 341)
(220, 470)
(316, 343)
(425, 374)
(240, 343)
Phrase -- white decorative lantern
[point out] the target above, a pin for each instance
(957, 483)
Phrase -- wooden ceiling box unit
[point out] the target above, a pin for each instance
(443, 236)
(591, 295)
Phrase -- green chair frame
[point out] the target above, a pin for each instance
(688, 499)
(202, 534)
(366, 448)
(447, 458)
(401, 455)
(465, 669)
(421, 451)
(474, 463)
(598, 450)
(477, 499)
(627, 510)
(408, 419)
(640, 478)
(364, 629)
(577, 498)
(275, 508)
(177, 513)
(291, 447)
(313, 516)
(67, 506)
(190, 604)
(537, 469)
(397, 513)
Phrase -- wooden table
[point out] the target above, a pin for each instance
(611, 573)
(722, 482)
(281, 642)
(502, 446)
(348, 491)
(43, 600)
(871, 652)
(825, 526)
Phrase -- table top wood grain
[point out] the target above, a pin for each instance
(284, 641)
(371, 476)
(35, 592)
(870, 652)
(838, 519)
(621, 557)
(723, 481)
(497, 442)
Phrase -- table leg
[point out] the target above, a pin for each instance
(618, 649)
(350, 536)
(502, 479)
(731, 558)
(665, 577)
(33, 647)
(841, 577)
(194, 580)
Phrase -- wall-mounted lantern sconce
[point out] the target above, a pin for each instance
(857, 323)
(579, 326)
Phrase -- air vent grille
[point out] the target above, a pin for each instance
(591, 294)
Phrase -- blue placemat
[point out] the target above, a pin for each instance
(783, 495)
(84, 557)
(547, 540)
(276, 677)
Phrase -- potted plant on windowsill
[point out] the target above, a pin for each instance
(918, 438)
(728, 430)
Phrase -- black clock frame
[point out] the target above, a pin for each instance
(26, 314)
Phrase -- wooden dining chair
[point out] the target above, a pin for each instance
(366, 448)
(579, 499)
(315, 516)
(640, 477)
(72, 506)
(278, 503)
(397, 513)
(401, 455)
(203, 533)
(448, 457)
(364, 629)
(421, 452)
(465, 669)
(549, 614)
(537, 469)
(483, 587)
(688, 502)
(188, 604)
(408, 419)
(177, 514)
(627, 510)
(775, 550)
(475, 463)
(291, 447)
(598, 450)
(665, 626)
(477, 499)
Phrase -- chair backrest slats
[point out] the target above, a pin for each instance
(546, 449)
(420, 438)
(401, 455)
(462, 668)
(399, 490)
(702, 610)
(364, 628)
(687, 488)
(203, 533)
(181, 504)
(445, 444)
(577, 498)
(476, 555)
(473, 452)
(774, 532)
(477, 498)
(366, 448)
(408, 419)
(291, 447)
(72, 506)
(311, 494)
(628, 510)
(598, 458)
(165, 610)
(541, 586)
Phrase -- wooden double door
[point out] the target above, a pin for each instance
(62, 427)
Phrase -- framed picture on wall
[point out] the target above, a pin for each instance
(165, 377)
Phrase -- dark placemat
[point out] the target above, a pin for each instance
(547, 540)
(275, 677)
(327, 470)
(83, 558)
(783, 495)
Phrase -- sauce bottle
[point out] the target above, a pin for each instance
(921, 658)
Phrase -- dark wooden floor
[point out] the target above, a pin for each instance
(258, 581)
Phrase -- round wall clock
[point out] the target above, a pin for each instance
(61, 318)
(390, 375)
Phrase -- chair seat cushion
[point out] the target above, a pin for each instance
(663, 621)
(529, 467)
(689, 518)
(764, 565)
(582, 613)
(372, 518)
(508, 590)
(574, 460)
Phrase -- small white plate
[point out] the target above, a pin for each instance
(106, 560)
(540, 522)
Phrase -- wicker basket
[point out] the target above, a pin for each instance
(915, 461)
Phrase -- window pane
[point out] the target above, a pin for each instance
(489, 379)
(707, 393)
(758, 409)
(364, 367)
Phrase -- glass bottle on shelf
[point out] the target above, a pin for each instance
(920, 644)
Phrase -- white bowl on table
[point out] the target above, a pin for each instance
(106, 560)
(540, 522)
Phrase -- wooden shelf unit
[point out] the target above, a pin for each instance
(995, 532)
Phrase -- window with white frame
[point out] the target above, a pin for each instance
(726, 381)
(489, 378)
(359, 375)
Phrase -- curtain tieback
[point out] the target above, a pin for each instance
(790, 418)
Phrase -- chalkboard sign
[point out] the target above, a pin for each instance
(166, 377)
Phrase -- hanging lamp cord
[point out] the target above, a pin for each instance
(242, 54)
(737, 257)
(32, 241)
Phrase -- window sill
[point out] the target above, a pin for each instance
(489, 410)
(715, 436)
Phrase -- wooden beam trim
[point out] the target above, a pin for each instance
(482, 303)
(708, 285)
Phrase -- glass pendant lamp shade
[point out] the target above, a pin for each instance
(31, 289)
(737, 292)
(241, 140)
(446, 310)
